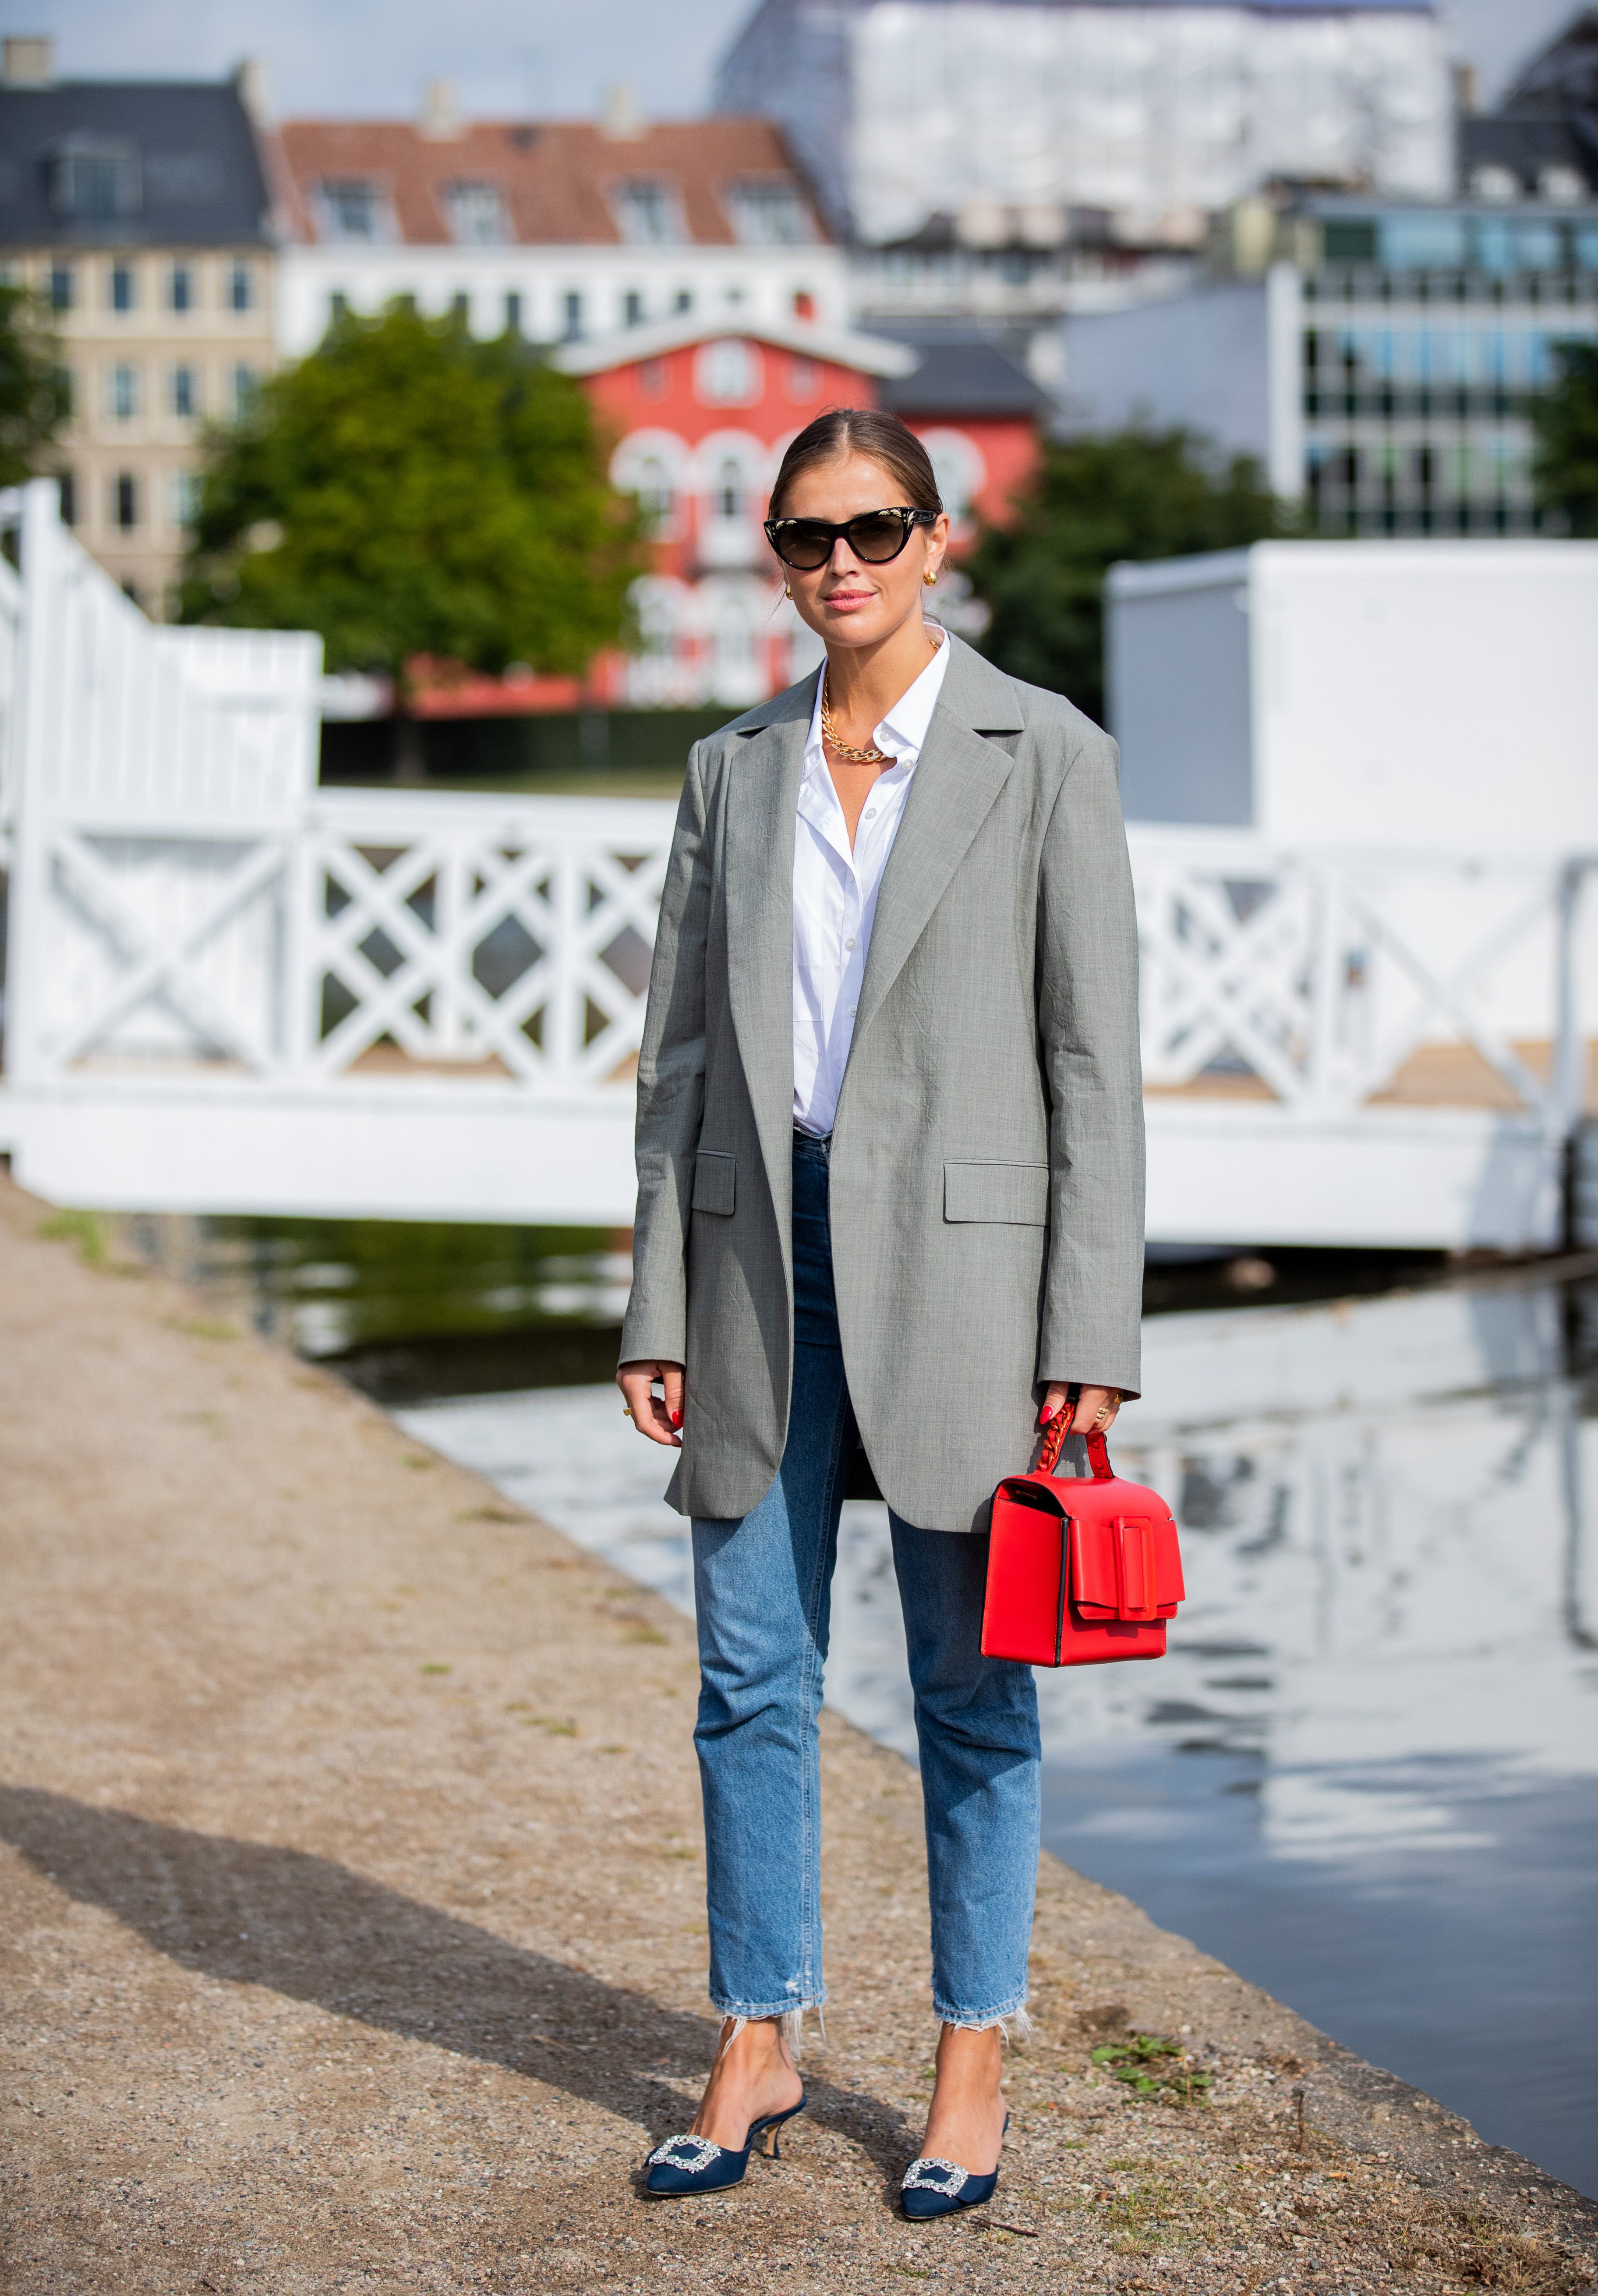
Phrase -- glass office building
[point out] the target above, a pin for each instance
(1427, 334)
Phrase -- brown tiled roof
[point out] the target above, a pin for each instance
(557, 179)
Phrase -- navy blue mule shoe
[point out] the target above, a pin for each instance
(939, 2188)
(693, 2164)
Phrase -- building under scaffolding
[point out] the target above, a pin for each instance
(1025, 125)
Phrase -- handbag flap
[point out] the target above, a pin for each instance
(1125, 1566)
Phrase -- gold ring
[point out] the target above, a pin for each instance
(1102, 1412)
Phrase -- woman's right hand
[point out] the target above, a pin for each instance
(653, 1416)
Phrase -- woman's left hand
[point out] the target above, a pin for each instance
(1095, 1411)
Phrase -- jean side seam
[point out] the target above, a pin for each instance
(810, 1848)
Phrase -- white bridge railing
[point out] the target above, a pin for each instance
(194, 923)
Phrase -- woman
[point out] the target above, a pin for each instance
(889, 1202)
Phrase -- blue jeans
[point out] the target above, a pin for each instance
(763, 1592)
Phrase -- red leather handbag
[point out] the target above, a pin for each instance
(1080, 1571)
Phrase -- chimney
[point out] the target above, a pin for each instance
(27, 63)
(440, 122)
(620, 120)
(249, 77)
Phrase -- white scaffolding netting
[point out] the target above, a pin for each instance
(1158, 114)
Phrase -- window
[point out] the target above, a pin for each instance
(61, 285)
(245, 388)
(803, 303)
(180, 288)
(728, 495)
(350, 209)
(125, 502)
(512, 315)
(1423, 241)
(183, 392)
(122, 392)
(651, 378)
(683, 300)
(123, 287)
(476, 215)
(767, 214)
(571, 317)
(656, 501)
(96, 179)
(66, 391)
(460, 309)
(728, 373)
(632, 308)
(240, 287)
(130, 591)
(338, 307)
(646, 214)
(67, 485)
(182, 499)
(1350, 243)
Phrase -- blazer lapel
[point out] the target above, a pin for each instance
(955, 781)
(762, 807)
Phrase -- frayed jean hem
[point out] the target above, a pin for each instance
(753, 2010)
(1012, 2021)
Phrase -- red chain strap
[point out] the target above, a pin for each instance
(1054, 1443)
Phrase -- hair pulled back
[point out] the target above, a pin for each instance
(861, 431)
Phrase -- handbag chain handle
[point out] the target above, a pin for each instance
(1054, 1443)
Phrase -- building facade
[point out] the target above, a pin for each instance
(1003, 158)
(560, 231)
(138, 211)
(1382, 366)
(701, 418)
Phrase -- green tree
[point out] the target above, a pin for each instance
(1566, 424)
(410, 494)
(1133, 493)
(34, 392)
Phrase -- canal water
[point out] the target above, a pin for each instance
(1366, 1776)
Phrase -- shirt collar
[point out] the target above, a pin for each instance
(903, 729)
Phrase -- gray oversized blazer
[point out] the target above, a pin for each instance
(988, 1155)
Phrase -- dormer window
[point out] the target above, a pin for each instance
(351, 207)
(768, 213)
(96, 179)
(476, 215)
(647, 213)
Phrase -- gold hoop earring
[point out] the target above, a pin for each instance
(788, 589)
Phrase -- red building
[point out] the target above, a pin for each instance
(701, 417)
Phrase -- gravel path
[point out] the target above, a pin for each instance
(351, 1923)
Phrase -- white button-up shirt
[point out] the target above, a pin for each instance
(835, 893)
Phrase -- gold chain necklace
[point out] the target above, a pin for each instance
(855, 757)
(830, 736)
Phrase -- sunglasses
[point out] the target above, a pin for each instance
(876, 535)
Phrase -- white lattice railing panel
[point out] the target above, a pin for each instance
(465, 933)
(1325, 974)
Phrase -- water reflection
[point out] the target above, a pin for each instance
(408, 1307)
(1367, 1772)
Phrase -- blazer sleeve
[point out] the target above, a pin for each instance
(671, 1091)
(1088, 1024)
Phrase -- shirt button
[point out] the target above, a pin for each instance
(849, 944)
(872, 815)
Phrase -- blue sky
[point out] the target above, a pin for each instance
(508, 56)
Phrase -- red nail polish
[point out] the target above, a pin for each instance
(676, 1418)
(1046, 1413)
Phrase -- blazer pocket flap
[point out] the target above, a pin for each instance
(714, 1178)
(1015, 1195)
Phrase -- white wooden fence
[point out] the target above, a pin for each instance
(230, 989)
